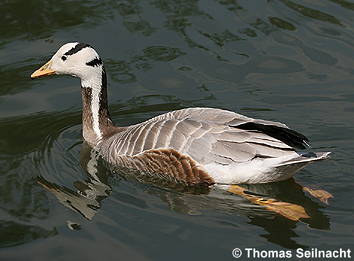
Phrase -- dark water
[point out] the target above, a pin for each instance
(286, 60)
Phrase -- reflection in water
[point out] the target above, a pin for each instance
(271, 206)
(178, 15)
(41, 18)
(292, 192)
(123, 71)
(157, 104)
(86, 200)
(15, 71)
(312, 53)
(344, 3)
(312, 13)
(280, 23)
(132, 19)
(13, 233)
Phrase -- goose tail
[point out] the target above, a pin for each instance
(295, 164)
(305, 158)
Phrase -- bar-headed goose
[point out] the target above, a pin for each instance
(192, 146)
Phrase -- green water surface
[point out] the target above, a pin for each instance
(285, 60)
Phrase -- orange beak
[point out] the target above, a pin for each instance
(43, 71)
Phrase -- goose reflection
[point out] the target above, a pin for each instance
(283, 202)
(89, 193)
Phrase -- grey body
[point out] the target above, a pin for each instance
(208, 137)
(205, 134)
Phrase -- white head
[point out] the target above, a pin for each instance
(76, 59)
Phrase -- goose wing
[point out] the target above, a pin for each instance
(208, 135)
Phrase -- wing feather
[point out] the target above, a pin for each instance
(210, 135)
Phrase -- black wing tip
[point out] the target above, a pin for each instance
(299, 140)
(288, 136)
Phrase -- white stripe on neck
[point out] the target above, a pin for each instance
(96, 87)
(95, 107)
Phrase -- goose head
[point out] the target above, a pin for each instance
(76, 59)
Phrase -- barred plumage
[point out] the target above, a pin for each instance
(208, 137)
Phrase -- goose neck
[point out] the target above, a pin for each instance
(95, 114)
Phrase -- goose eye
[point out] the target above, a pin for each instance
(63, 57)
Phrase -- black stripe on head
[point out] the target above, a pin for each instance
(95, 62)
(77, 48)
